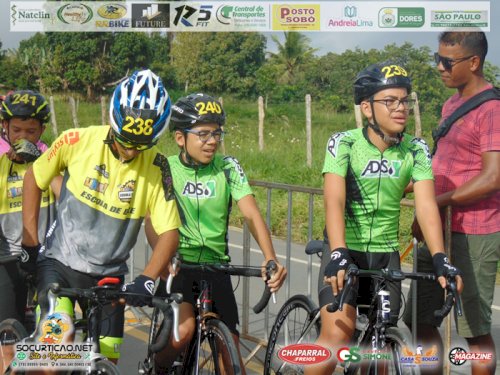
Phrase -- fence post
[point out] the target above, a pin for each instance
(308, 131)
(104, 112)
(357, 116)
(261, 123)
(53, 116)
(416, 111)
(73, 111)
(222, 145)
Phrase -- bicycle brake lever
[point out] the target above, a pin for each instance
(175, 310)
(452, 287)
(170, 279)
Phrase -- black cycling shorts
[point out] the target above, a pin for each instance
(363, 289)
(188, 282)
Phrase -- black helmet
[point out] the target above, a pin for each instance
(25, 104)
(196, 109)
(379, 77)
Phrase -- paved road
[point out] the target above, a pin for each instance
(300, 281)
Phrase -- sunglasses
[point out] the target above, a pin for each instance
(132, 146)
(448, 63)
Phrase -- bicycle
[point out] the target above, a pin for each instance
(13, 331)
(298, 321)
(212, 349)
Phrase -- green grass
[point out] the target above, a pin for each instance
(283, 159)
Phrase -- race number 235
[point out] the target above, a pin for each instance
(138, 126)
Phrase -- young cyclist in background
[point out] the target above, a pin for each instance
(23, 114)
(365, 174)
(113, 176)
(205, 183)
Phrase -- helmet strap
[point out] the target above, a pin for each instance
(376, 128)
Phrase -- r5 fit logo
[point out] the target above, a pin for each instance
(346, 354)
(186, 14)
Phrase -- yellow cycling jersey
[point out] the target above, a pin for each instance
(103, 201)
(11, 205)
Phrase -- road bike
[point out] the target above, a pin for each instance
(212, 349)
(298, 321)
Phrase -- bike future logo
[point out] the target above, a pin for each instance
(304, 354)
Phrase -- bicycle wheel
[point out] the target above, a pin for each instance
(103, 366)
(218, 352)
(11, 332)
(297, 322)
(395, 341)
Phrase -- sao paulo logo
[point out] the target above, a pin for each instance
(199, 189)
(382, 168)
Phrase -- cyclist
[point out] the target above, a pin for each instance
(205, 184)
(113, 176)
(23, 114)
(365, 174)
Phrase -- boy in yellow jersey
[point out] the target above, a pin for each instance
(113, 175)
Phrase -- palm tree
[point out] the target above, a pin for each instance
(294, 52)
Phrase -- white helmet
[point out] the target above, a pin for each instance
(140, 108)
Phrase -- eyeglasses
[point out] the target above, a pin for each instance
(132, 146)
(448, 63)
(393, 104)
(205, 135)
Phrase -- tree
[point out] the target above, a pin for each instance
(293, 53)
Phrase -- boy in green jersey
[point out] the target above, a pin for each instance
(366, 171)
(205, 183)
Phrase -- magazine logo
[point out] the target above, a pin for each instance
(75, 14)
(112, 11)
(189, 16)
(150, 16)
(458, 356)
(401, 17)
(304, 354)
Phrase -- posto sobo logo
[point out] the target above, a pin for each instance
(297, 16)
(304, 354)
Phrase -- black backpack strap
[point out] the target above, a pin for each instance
(469, 105)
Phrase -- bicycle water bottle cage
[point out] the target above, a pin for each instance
(109, 281)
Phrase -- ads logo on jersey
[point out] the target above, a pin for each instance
(382, 168)
(199, 189)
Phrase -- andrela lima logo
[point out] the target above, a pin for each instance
(304, 354)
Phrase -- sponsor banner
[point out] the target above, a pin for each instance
(258, 16)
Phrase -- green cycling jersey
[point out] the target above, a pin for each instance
(204, 195)
(375, 184)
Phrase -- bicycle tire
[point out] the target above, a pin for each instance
(104, 367)
(217, 340)
(11, 332)
(294, 316)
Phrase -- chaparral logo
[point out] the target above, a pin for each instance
(458, 356)
(75, 13)
(151, 16)
(296, 17)
(401, 17)
(112, 11)
(459, 18)
(382, 168)
(304, 354)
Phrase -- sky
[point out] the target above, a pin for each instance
(336, 42)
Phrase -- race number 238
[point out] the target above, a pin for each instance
(138, 126)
